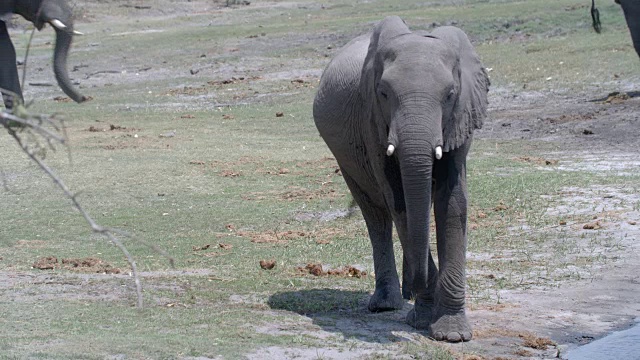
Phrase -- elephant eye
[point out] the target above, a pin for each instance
(451, 94)
(383, 94)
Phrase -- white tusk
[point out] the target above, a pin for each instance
(58, 24)
(438, 152)
(390, 150)
(76, 32)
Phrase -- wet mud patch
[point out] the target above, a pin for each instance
(602, 163)
(570, 121)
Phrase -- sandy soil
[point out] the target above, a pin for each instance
(593, 135)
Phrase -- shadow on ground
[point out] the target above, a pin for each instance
(345, 312)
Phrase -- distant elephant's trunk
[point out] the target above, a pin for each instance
(417, 142)
(64, 38)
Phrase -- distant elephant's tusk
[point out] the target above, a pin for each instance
(390, 150)
(438, 152)
(75, 32)
(58, 24)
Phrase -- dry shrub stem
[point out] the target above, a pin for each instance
(26, 57)
(35, 127)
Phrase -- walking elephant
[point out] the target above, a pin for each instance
(397, 109)
(55, 12)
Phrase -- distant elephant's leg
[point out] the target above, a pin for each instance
(631, 9)
(449, 321)
(387, 293)
(9, 79)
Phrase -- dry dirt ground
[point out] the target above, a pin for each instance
(568, 313)
(600, 136)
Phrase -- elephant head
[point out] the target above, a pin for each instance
(426, 93)
(60, 15)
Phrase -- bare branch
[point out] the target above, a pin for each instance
(35, 128)
(26, 57)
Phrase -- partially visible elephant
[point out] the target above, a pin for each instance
(55, 12)
(397, 109)
(631, 9)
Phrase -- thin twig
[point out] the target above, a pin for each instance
(94, 226)
(34, 126)
(26, 57)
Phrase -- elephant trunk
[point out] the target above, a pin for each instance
(64, 38)
(416, 155)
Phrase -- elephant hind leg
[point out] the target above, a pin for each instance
(387, 294)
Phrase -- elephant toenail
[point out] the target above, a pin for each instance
(438, 336)
(454, 337)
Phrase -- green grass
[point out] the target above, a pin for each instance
(173, 192)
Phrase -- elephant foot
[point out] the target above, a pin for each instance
(420, 316)
(385, 299)
(451, 327)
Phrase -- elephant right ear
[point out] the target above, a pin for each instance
(384, 31)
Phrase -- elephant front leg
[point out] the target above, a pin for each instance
(449, 321)
(8, 72)
(387, 294)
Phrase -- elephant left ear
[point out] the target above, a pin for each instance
(471, 108)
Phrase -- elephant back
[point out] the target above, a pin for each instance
(338, 93)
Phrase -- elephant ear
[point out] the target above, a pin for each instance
(471, 107)
(384, 32)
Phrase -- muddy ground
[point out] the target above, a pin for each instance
(588, 131)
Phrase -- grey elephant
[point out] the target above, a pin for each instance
(631, 9)
(397, 109)
(59, 14)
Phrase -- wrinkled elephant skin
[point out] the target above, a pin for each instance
(397, 109)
